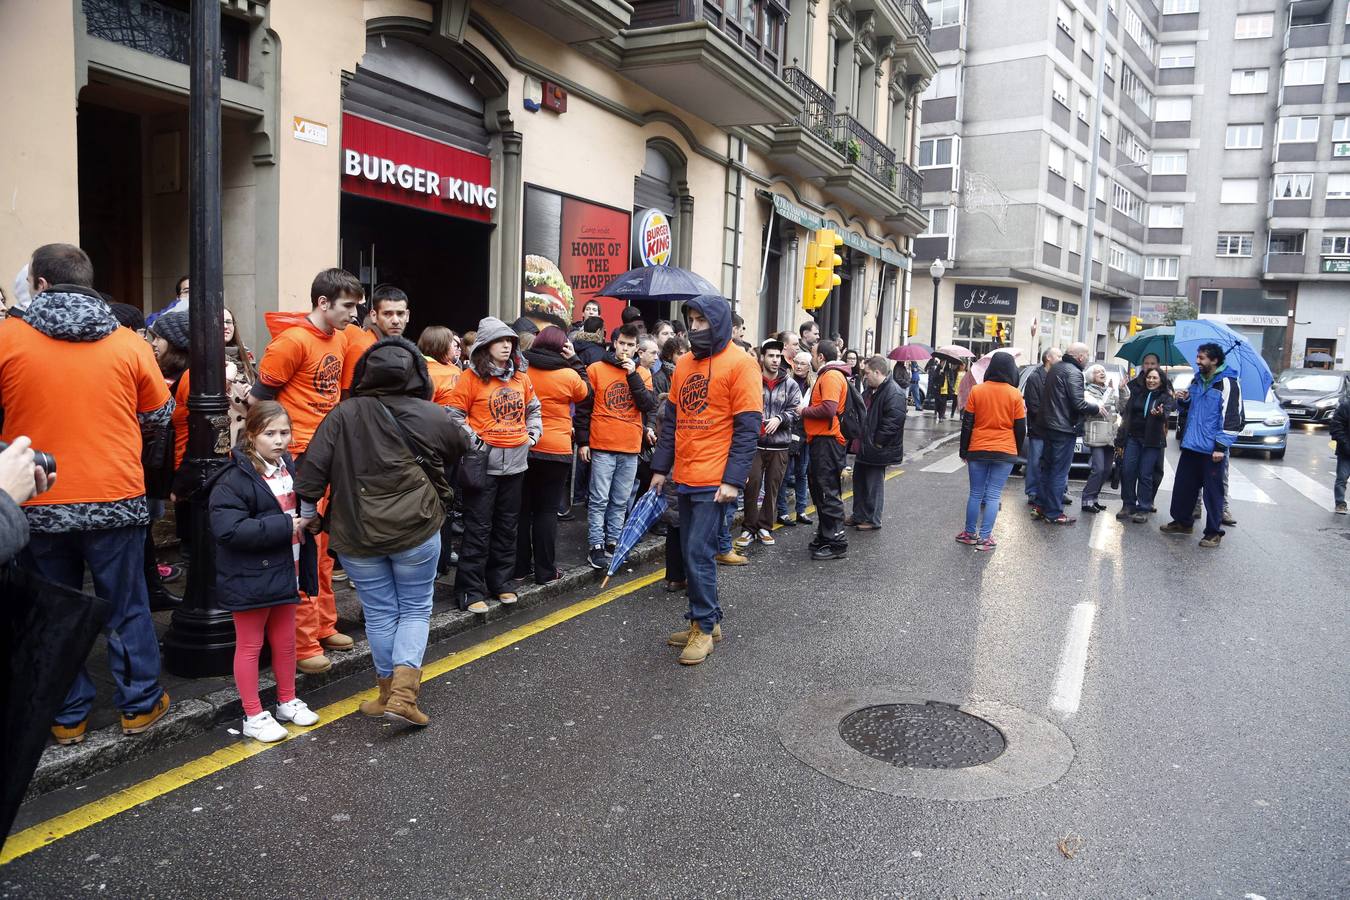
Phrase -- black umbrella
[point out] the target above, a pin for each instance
(46, 631)
(662, 283)
(1318, 357)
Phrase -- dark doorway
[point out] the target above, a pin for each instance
(109, 148)
(769, 297)
(440, 261)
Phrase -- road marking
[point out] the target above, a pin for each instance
(37, 836)
(1073, 661)
(946, 465)
(1102, 533)
(1240, 487)
(1317, 493)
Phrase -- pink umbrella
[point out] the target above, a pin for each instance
(953, 351)
(909, 353)
(976, 373)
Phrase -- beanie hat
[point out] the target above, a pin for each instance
(128, 316)
(173, 327)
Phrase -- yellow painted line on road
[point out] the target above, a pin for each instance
(38, 836)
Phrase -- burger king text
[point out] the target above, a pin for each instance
(423, 181)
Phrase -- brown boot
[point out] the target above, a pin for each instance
(402, 702)
(375, 708)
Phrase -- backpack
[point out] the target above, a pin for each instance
(851, 419)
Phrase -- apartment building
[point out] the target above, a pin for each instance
(1220, 178)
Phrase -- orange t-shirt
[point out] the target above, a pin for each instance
(996, 406)
(616, 422)
(180, 420)
(78, 401)
(709, 394)
(557, 390)
(831, 385)
(358, 342)
(495, 409)
(443, 380)
(304, 364)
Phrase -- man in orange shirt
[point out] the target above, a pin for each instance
(828, 451)
(302, 370)
(707, 442)
(95, 515)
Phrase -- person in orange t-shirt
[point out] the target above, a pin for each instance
(302, 370)
(556, 374)
(993, 431)
(436, 343)
(707, 443)
(825, 440)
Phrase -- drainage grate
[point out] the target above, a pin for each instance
(922, 735)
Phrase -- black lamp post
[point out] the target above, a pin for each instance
(200, 640)
(937, 270)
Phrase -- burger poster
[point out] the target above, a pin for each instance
(573, 248)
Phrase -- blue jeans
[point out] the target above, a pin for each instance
(797, 479)
(1138, 469)
(395, 593)
(1055, 462)
(916, 393)
(700, 521)
(1342, 476)
(1031, 472)
(612, 476)
(724, 528)
(116, 559)
(987, 478)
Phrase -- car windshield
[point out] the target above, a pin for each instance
(1304, 381)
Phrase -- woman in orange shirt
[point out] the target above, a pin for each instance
(993, 429)
(436, 343)
(560, 384)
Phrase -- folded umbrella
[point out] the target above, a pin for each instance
(1253, 373)
(664, 283)
(644, 515)
(910, 353)
(1160, 341)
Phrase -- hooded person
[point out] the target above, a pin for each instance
(707, 442)
(384, 450)
(590, 341)
(993, 431)
(495, 406)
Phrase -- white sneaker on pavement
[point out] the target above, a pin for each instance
(766, 537)
(745, 539)
(263, 727)
(296, 711)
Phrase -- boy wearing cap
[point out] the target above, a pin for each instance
(782, 401)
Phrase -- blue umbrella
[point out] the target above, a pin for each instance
(1159, 341)
(664, 283)
(1252, 371)
(645, 513)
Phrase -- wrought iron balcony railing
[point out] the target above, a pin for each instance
(817, 112)
(918, 18)
(864, 149)
(909, 185)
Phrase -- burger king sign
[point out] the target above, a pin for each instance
(654, 238)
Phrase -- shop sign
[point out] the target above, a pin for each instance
(983, 298)
(1340, 149)
(1335, 266)
(1070, 309)
(654, 238)
(1237, 319)
(397, 166)
(891, 257)
(573, 248)
(793, 213)
(1049, 304)
(310, 132)
(860, 243)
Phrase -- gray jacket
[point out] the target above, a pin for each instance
(781, 399)
(501, 460)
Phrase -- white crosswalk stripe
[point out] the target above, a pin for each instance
(1240, 487)
(1315, 491)
(950, 463)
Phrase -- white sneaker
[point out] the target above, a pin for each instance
(745, 540)
(296, 711)
(766, 537)
(264, 728)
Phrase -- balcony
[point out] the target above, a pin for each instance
(804, 145)
(909, 24)
(572, 21)
(721, 67)
(164, 29)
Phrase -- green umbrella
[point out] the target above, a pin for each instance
(1158, 341)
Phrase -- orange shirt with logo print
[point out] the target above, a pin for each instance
(616, 422)
(91, 428)
(557, 390)
(443, 380)
(831, 385)
(494, 409)
(359, 340)
(709, 394)
(304, 365)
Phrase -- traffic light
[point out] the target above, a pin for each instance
(1134, 325)
(821, 261)
(991, 327)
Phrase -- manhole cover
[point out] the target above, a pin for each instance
(922, 736)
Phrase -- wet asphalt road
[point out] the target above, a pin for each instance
(1209, 734)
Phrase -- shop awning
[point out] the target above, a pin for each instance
(807, 219)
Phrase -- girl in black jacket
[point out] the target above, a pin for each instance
(1141, 439)
(261, 551)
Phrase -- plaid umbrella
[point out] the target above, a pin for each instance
(644, 515)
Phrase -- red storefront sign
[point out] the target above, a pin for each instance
(397, 166)
(594, 251)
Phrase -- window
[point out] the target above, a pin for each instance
(1079, 172)
(1117, 257)
(1110, 64)
(1293, 187)
(1257, 25)
(943, 12)
(1345, 67)
(1087, 40)
(1050, 229)
(1176, 56)
(1134, 27)
(944, 83)
(1305, 71)
(1340, 129)
(1106, 125)
(1173, 109)
(1336, 245)
(1064, 17)
(1131, 145)
(1165, 215)
(1298, 129)
(1084, 106)
(1075, 238)
(1101, 186)
(1244, 137)
(1124, 201)
(1136, 91)
(1161, 268)
(1169, 164)
(1056, 158)
(1338, 187)
(1059, 88)
(940, 221)
(1249, 81)
(1285, 243)
(1171, 7)
(1234, 243)
(939, 152)
(1237, 190)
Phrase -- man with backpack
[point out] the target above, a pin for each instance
(832, 419)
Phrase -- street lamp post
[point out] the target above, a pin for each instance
(200, 640)
(937, 270)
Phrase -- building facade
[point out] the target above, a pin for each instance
(484, 156)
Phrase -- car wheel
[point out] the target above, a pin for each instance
(1277, 454)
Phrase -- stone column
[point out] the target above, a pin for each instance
(507, 304)
(684, 248)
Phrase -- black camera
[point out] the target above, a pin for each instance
(45, 460)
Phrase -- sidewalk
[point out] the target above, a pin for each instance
(203, 703)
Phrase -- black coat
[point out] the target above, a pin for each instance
(1063, 404)
(883, 440)
(255, 562)
(1032, 392)
(1148, 428)
(1340, 428)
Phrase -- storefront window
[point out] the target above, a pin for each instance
(971, 332)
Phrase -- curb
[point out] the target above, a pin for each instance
(108, 748)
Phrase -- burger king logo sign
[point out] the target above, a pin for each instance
(654, 238)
